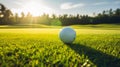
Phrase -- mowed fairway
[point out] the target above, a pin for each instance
(41, 47)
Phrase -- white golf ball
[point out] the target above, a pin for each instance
(67, 35)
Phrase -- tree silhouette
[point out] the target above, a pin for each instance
(5, 14)
(29, 18)
(2, 8)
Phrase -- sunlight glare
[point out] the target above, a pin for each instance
(35, 8)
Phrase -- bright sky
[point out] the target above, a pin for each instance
(38, 7)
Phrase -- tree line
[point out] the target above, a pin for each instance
(107, 16)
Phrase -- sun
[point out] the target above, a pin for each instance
(35, 8)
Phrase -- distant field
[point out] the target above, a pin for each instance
(97, 26)
(41, 47)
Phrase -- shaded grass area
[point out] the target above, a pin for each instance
(99, 58)
(42, 47)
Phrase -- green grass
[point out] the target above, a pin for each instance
(28, 26)
(97, 26)
(41, 47)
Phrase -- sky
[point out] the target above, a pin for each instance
(38, 7)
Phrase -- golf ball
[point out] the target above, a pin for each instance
(67, 35)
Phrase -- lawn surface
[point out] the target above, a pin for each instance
(42, 47)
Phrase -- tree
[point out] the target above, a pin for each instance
(5, 14)
(22, 15)
(2, 8)
(16, 18)
(117, 12)
(29, 18)
(54, 16)
(110, 12)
